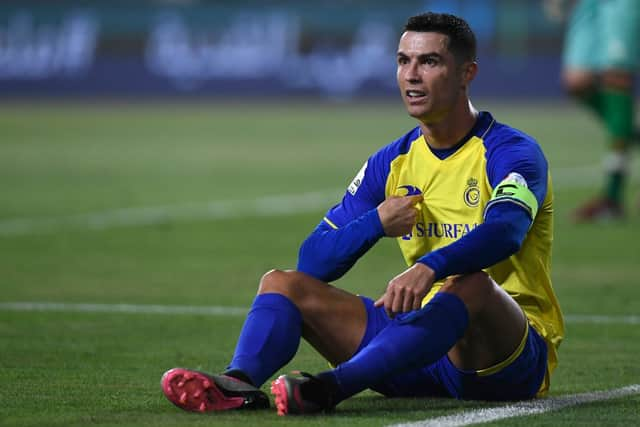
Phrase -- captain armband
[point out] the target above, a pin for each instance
(514, 189)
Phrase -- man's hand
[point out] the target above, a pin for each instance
(406, 291)
(398, 214)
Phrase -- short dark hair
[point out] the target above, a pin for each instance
(462, 41)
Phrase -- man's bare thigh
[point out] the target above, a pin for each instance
(497, 324)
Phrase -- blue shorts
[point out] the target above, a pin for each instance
(520, 379)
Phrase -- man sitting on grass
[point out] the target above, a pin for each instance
(473, 317)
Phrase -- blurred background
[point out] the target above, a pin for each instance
(157, 157)
(338, 49)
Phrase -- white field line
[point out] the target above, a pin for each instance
(522, 409)
(277, 205)
(631, 319)
(214, 310)
(124, 308)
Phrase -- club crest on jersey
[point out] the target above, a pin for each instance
(471, 194)
(411, 190)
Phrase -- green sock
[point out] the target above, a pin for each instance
(618, 113)
(615, 108)
(616, 165)
(614, 187)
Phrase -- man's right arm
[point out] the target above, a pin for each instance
(349, 229)
(328, 253)
(362, 217)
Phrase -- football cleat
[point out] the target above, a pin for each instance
(304, 394)
(199, 392)
(600, 209)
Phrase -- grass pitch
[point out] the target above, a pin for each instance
(63, 163)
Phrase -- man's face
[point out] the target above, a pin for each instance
(429, 78)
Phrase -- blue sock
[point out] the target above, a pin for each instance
(269, 338)
(414, 340)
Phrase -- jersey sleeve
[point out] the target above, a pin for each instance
(517, 171)
(365, 192)
(350, 228)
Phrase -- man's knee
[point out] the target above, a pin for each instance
(479, 280)
(475, 289)
(579, 83)
(276, 281)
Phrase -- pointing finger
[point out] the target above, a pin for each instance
(380, 301)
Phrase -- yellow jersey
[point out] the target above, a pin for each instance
(458, 186)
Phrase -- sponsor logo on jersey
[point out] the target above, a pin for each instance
(411, 190)
(471, 194)
(355, 184)
(440, 230)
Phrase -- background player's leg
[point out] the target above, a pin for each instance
(611, 98)
(600, 58)
(289, 305)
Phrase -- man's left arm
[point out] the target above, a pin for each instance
(519, 177)
(497, 238)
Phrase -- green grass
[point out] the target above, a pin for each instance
(56, 160)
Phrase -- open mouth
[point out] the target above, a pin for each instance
(415, 94)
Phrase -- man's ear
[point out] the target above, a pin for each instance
(469, 71)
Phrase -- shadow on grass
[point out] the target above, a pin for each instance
(373, 404)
